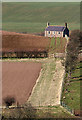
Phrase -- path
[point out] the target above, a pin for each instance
(47, 90)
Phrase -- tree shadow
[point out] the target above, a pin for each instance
(27, 112)
(9, 100)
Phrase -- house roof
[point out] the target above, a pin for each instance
(55, 28)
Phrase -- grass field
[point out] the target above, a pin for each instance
(72, 95)
(32, 17)
(57, 45)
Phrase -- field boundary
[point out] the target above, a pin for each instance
(49, 77)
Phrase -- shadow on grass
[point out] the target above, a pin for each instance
(27, 112)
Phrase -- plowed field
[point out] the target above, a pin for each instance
(12, 41)
(19, 79)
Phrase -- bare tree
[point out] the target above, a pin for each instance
(73, 49)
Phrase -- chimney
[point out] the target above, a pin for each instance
(66, 25)
(48, 24)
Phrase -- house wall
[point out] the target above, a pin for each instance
(52, 34)
(45, 33)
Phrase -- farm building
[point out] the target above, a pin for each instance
(56, 31)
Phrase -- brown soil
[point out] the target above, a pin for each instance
(18, 79)
(13, 42)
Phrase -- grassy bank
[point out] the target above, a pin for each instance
(71, 92)
(40, 113)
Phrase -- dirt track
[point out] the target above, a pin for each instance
(47, 91)
(18, 79)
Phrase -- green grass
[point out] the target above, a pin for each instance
(52, 44)
(40, 113)
(48, 68)
(57, 45)
(32, 27)
(53, 112)
(29, 27)
(72, 97)
(32, 17)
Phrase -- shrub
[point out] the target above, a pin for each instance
(9, 101)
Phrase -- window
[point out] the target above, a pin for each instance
(54, 32)
(58, 32)
(49, 32)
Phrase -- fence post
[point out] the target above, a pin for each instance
(66, 107)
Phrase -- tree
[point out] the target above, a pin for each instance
(73, 49)
(9, 101)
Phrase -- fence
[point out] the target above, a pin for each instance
(61, 102)
(67, 107)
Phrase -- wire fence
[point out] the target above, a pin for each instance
(67, 107)
(62, 103)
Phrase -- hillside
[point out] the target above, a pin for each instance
(23, 42)
(29, 45)
(71, 92)
(32, 17)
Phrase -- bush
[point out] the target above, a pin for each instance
(9, 101)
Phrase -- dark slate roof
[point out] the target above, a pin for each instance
(55, 28)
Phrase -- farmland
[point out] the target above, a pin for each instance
(24, 42)
(51, 75)
(36, 80)
(57, 45)
(18, 79)
(20, 17)
(29, 45)
(24, 45)
(40, 107)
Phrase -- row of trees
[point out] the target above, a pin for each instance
(73, 50)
